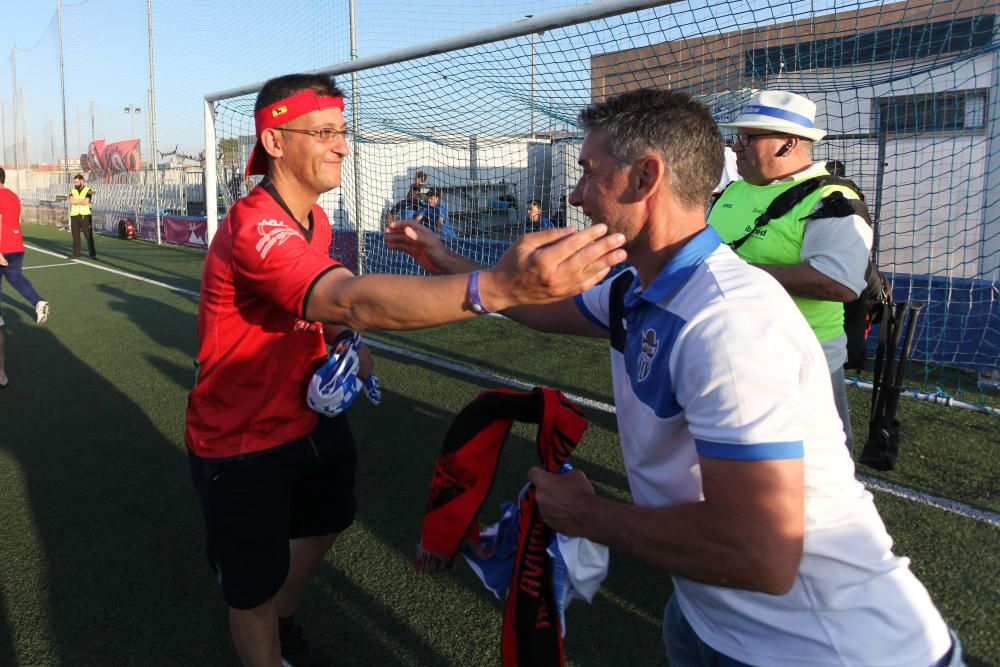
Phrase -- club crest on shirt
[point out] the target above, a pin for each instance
(272, 233)
(649, 347)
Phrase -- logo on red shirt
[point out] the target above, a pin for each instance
(272, 233)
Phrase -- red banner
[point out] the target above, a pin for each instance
(95, 152)
(113, 158)
(123, 156)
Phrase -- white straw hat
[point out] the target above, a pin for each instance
(779, 111)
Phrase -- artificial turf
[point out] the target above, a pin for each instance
(100, 535)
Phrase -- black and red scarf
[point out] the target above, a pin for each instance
(462, 480)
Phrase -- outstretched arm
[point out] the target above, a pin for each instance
(539, 269)
(428, 250)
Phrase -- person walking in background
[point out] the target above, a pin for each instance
(81, 216)
(11, 260)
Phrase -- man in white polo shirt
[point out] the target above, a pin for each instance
(743, 490)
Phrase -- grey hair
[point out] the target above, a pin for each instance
(671, 124)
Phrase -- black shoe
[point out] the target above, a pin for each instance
(297, 650)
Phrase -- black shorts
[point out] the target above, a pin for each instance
(254, 505)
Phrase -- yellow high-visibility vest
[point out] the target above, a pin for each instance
(80, 209)
(780, 242)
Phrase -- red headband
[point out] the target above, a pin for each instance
(285, 111)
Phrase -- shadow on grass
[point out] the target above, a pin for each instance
(168, 326)
(115, 520)
(7, 654)
(181, 375)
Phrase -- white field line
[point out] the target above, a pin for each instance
(483, 375)
(133, 276)
(920, 497)
(945, 504)
(46, 266)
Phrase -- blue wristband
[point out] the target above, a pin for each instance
(475, 302)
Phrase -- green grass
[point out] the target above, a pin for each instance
(100, 533)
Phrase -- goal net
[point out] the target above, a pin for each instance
(906, 92)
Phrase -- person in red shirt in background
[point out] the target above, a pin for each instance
(275, 480)
(11, 259)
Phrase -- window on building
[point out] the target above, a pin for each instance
(867, 48)
(947, 111)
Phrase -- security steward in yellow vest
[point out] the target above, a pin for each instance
(81, 216)
(821, 261)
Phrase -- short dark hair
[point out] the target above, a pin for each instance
(3, 176)
(670, 123)
(281, 87)
(80, 176)
(434, 192)
(534, 202)
(420, 174)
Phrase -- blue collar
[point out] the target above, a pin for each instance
(677, 271)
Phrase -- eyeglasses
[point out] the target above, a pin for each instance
(325, 135)
(744, 139)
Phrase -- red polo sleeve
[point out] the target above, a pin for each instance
(273, 259)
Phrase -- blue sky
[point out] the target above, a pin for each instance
(202, 46)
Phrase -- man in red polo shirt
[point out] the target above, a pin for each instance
(276, 481)
(11, 259)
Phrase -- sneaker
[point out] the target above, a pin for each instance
(41, 312)
(298, 651)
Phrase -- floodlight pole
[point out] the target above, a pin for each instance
(17, 165)
(62, 89)
(132, 110)
(152, 123)
(356, 127)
